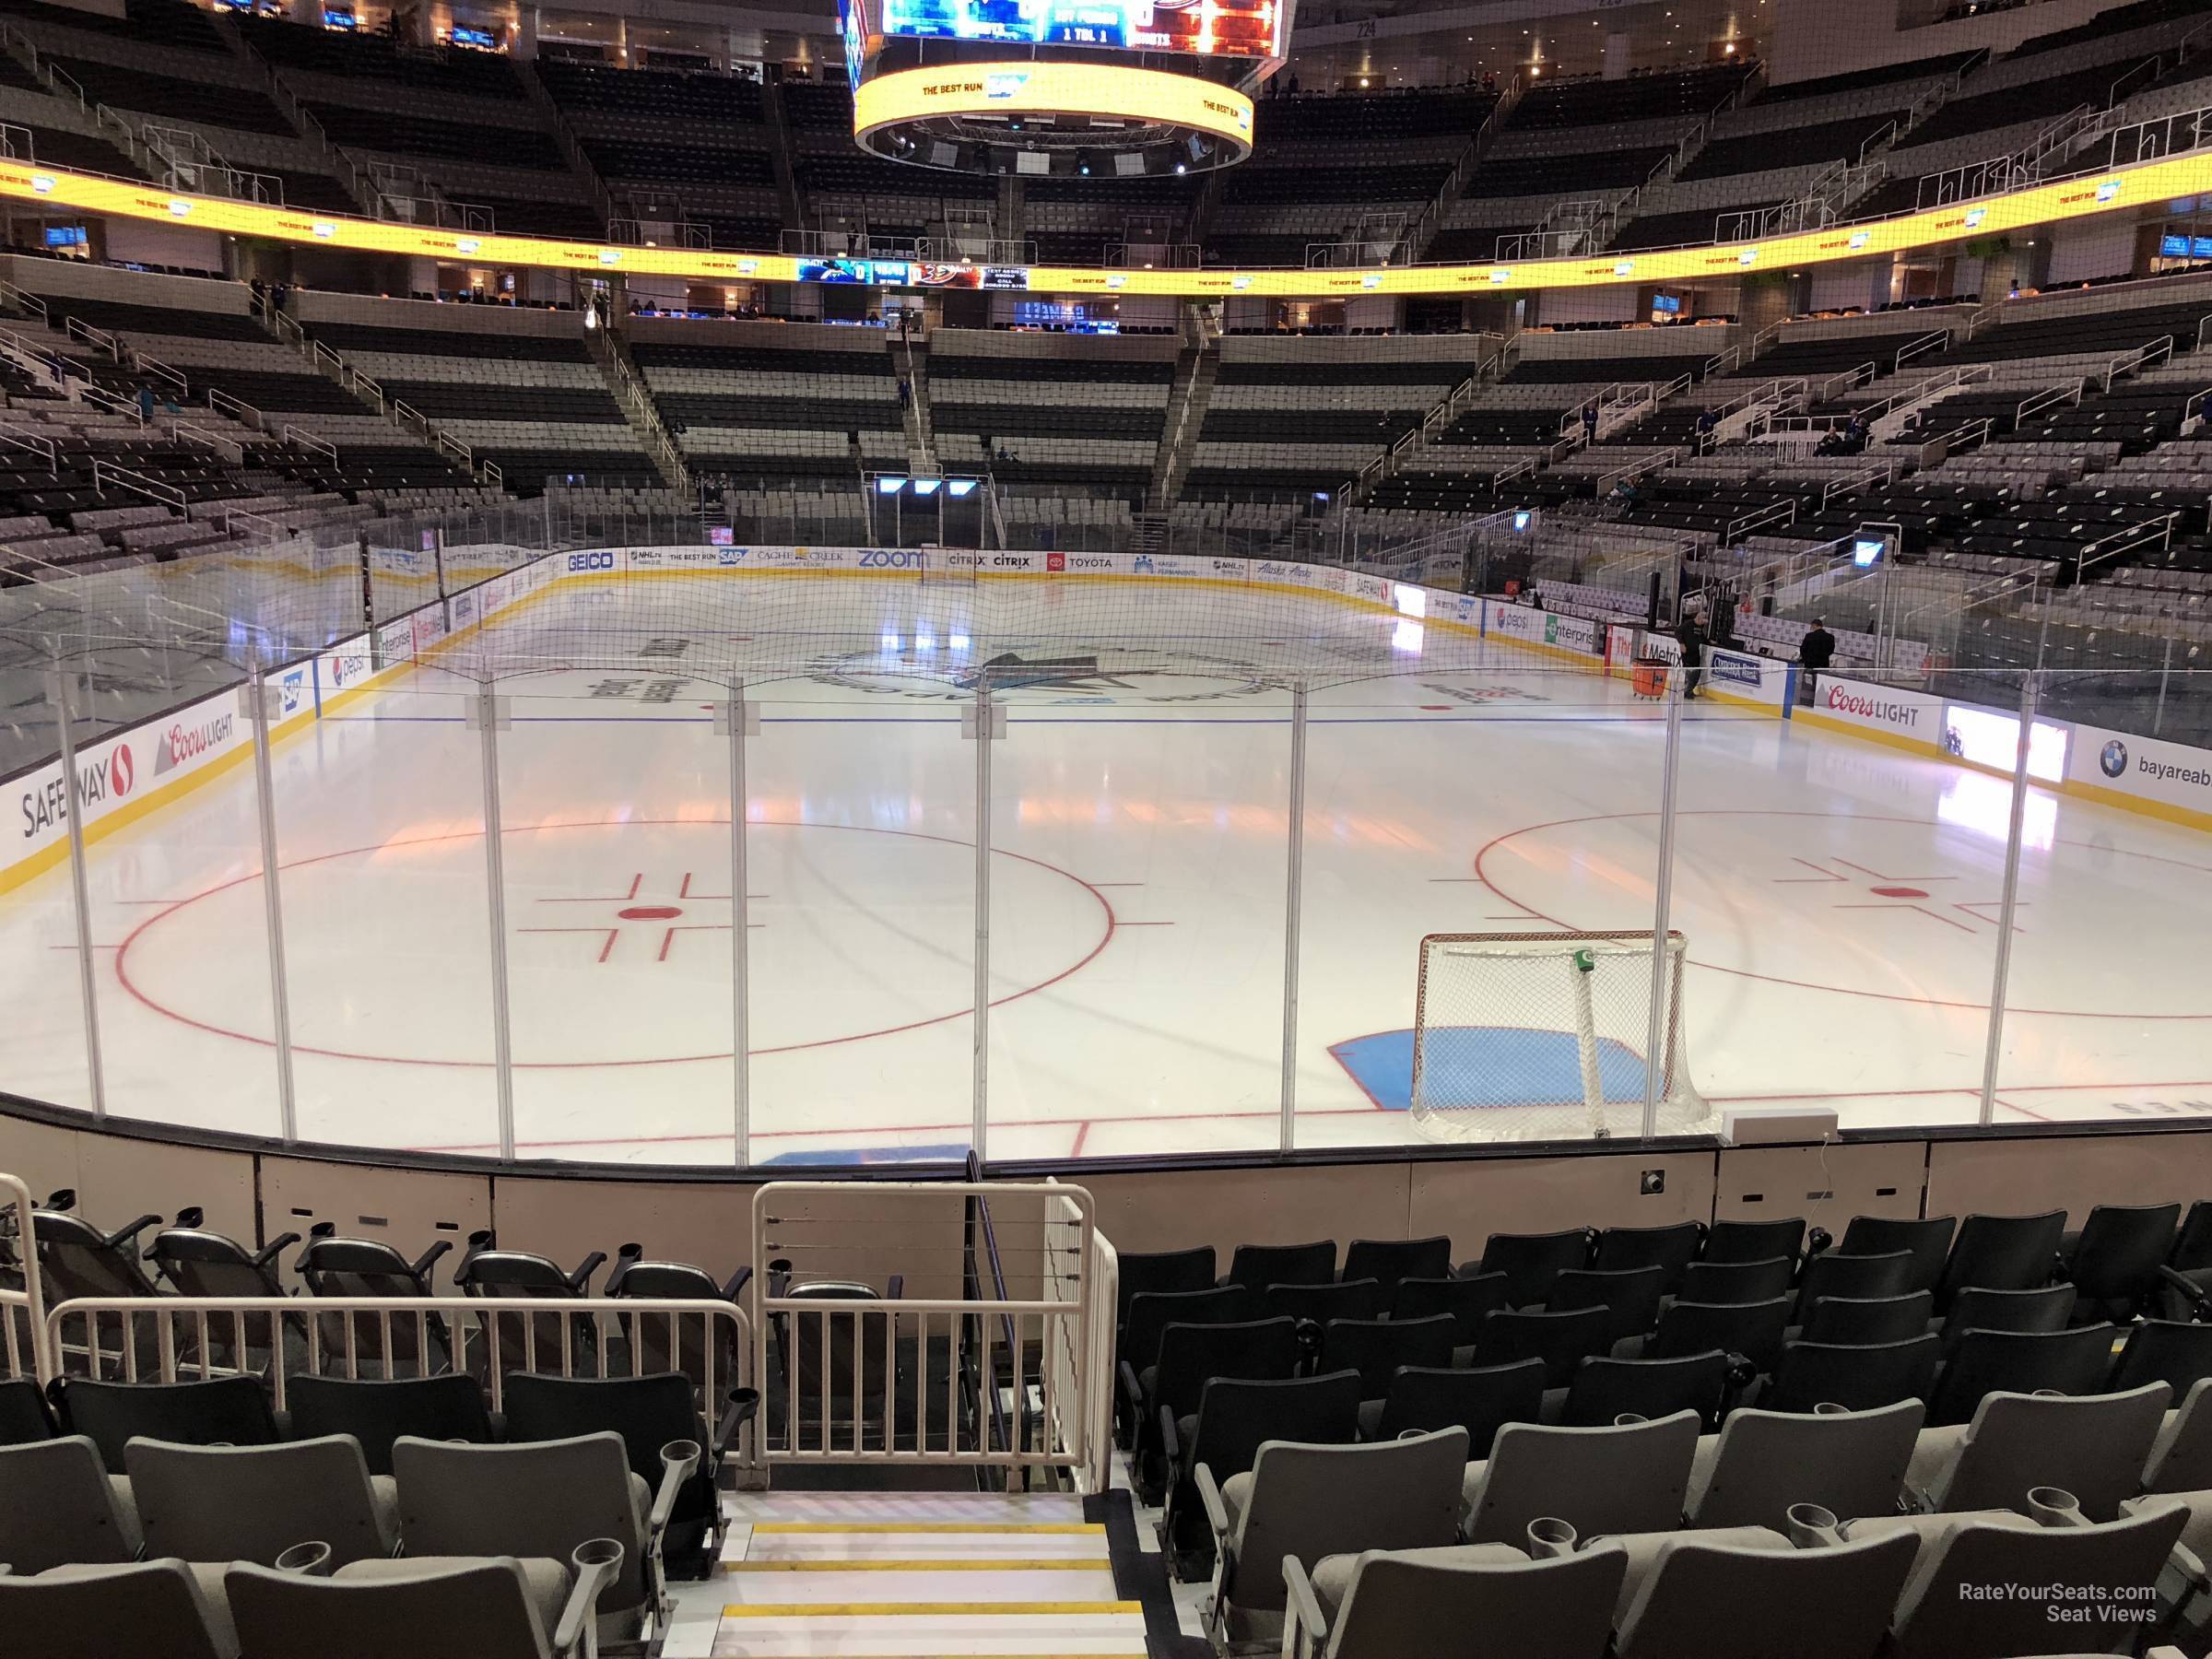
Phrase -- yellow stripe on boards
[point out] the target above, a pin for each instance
(922, 1609)
(1039, 1528)
(936, 1564)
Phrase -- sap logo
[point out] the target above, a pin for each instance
(880, 560)
(1859, 239)
(1055, 561)
(294, 690)
(1975, 216)
(581, 562)
(1004, 85)
(727, 557)
(2108, 191)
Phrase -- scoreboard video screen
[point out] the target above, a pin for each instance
(1243, 29)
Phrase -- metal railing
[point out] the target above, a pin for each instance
(22, 1292)
(892, 1380)
(176, 1338)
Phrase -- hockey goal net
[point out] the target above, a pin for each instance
(1522, 1035)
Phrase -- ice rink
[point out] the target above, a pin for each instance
(1840, 897)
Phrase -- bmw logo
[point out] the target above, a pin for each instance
(2114, 760)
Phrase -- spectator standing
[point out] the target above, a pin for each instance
(1815, 652)
(1689, 635)
(1589, 423)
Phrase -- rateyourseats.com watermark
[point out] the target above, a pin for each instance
(2072, 1604)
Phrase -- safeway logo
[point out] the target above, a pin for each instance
(122, 770)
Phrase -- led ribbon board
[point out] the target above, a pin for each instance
(911, 102)
(2150, 185)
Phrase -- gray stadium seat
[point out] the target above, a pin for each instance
(496, 1608)
(540, 1500)
(1944, 1614)
(147, 1609)
(251, 1503)
(1628, 1480)
(59, 1506)
(1312, 1502)
(1389, 1603)
(1727, 1598)
(2094, 1446)
(1850, 1463)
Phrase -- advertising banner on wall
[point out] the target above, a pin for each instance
(1741, 674)
(113, 773)
(1911, 714)
(341, 668)
(1512, 621)
(2146, 768)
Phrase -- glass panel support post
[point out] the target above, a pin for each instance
(259, 695)
(1657, 1035)
(62, 686)
(983, 722)
(1293, 889)
(738, 720)
(487, 712)
(2008, 905)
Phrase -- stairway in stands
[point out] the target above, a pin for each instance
(902, 1575)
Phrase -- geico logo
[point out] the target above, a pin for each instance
(881, 561)
(1867, 708)
(591, 561)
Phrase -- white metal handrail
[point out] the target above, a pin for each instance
(459, 1319)
(30, 1296)
(858, 1415)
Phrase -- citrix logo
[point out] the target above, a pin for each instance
(579, 562)
(2112, 760)
(882, 559)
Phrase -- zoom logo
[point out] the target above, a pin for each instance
(580, 562)
(2112, 760)
(877, 559)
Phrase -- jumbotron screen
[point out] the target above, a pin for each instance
(1243, 29)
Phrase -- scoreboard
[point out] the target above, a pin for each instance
(1233, 29)
(1061, 89)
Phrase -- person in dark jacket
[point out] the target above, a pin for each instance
(1689, 635)
(1590, 423)
(1815, 652)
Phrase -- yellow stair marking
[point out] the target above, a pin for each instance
(913, 1609)
(936, 1564)
(1036, 1527)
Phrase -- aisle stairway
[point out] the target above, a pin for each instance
(904, 1575)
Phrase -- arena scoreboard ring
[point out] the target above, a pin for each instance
(1061, 89)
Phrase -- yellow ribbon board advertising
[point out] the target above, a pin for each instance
(2149, 185)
